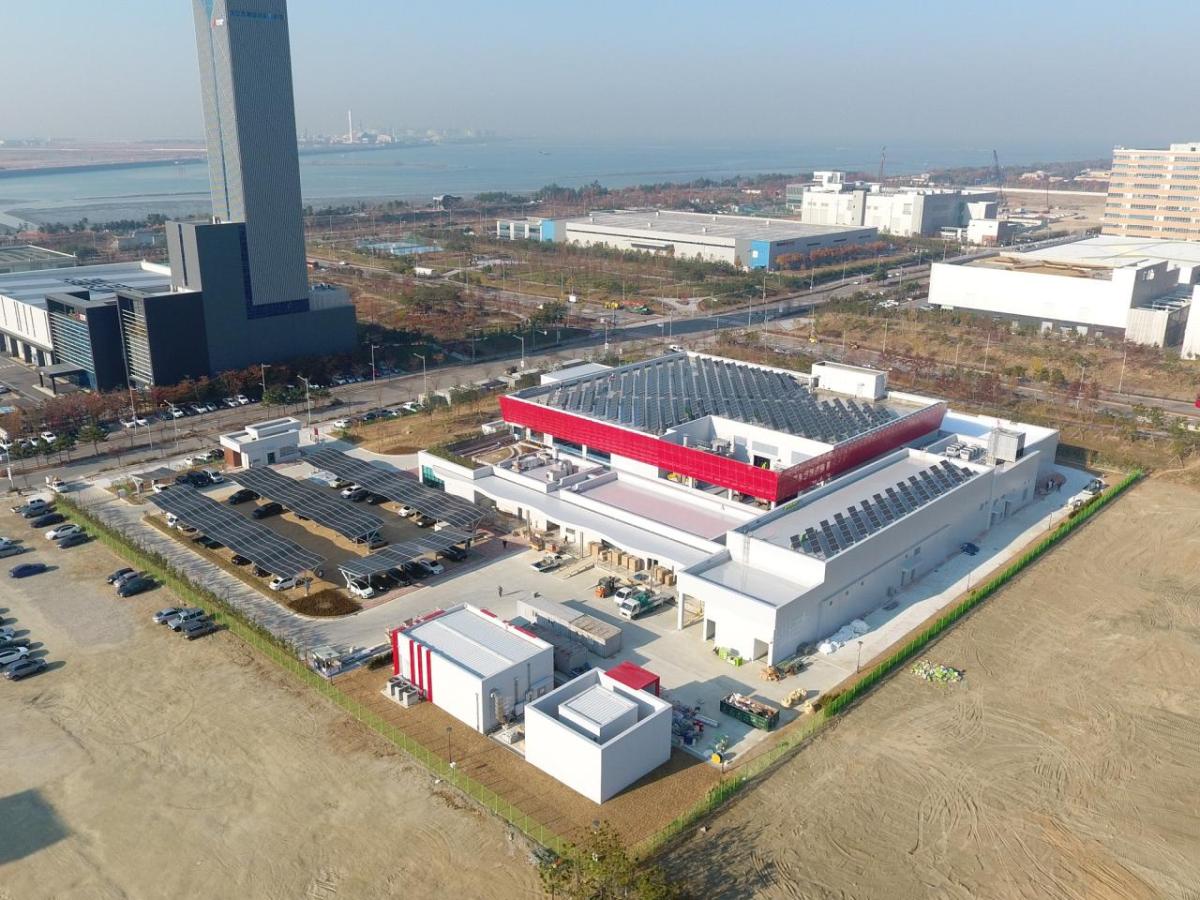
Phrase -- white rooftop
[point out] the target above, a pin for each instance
(652, 221)
(695, 516)
(1111, 251)
(477, 641)
(599, 706)
(103, 281)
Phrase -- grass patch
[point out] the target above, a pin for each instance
(329, 602)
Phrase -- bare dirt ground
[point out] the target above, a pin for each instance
(141, 765)
(1065, 765)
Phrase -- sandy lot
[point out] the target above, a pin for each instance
(1065, 765)
(143, 765)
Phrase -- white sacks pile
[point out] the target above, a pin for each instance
(843, 636)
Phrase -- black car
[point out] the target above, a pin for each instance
(398, 575)
(239, 560)
(205, 541)
(382, 582)
(47, 520)
(457, 554)
(260, 572)
(267, 510)
(184, 478)
(413, 571)
(135, 585)
(26, 569)
(197, 628)
(424, 521)
(245, 495)
(119, 574)
(36, 512)
(357, 496)
(74, 540)
(376, 499)
(200, 479)
(24, 669)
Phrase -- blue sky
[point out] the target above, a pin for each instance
(1060, 73)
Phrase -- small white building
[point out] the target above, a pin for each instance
(262, 444)
(477, 667)
(596, 735)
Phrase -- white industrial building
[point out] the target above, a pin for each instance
(1141, 290)
(904, 212)
(477, 667)
(747, 242)
(596, 735)
(262, 444)
(785, 505)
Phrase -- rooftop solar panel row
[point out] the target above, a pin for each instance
(399, 554)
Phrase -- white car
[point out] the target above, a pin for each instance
(279, 583)
(217, 477)
(6, 445)
(430, 566)
(406, 511)
(135, 422)
(362, 590)
(231, 402)
(7, 632)
(341, 423)
(48, 436)
(177, 413)
(349, 491)
(242, 399)
(62, 531)
(12, 655)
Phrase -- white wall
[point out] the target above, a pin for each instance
(25, 321)
(1051, 298)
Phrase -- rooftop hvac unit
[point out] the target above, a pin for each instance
(1005, 445)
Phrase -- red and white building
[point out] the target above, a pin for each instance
(477, 667)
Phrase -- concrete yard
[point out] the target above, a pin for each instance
(1063, 766)
(141, 765)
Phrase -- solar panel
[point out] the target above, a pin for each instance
(323, 506)
(398, 488)
(398, 554)
(243, 536)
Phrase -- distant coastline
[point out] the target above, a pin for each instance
(100, 167)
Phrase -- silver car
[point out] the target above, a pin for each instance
(165, 615)
(177, 622)
(7, 657)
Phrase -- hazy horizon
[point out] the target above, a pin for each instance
(1028, 75)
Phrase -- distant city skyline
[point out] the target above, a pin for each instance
(1030, 74)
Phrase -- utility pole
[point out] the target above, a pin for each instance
(264, 378)
(424, 376)
(307, 399)
(1121, 379)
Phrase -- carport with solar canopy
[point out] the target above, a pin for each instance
(245, 537)
(454, 511)
(321, 506)
(398, 554)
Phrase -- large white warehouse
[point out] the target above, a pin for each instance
(1141, 290)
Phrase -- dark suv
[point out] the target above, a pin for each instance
(267, 510)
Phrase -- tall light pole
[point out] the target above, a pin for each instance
(307, 399)
(374, 347)
(521, 338)
(424, 376)
(264, 378)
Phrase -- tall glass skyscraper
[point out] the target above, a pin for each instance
(250, 123)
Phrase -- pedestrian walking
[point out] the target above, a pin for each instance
(499, 590)
(503, 543)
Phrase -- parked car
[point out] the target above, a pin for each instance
(456, 554)
(24, 669)
(198, 628)
(184, 616)
(163, 615)
(12, 550)
(413, 571)
(200, 479)
(376, 499)
(231, 402)
(74, 540)
(135, 585)
(242, 399)
(548, 563)
(62, 531)
(431, 566)
(47, 519)
(239, 560)
(7, 632)
(119, 575)
(128, 576)
(260, 572)
(267, 510)
(341, 423)
(423, 521)
(399, 576)
(176, 413)
(215, 477)
(405, 511)
(35, 503)
(338, 483)
(10, 656)
(25, 570)
(357, 495)
(244, 495)
(282, 583)
(382, 582)
(48, 437)
(350, 489)
(361, 589)
(208, 543)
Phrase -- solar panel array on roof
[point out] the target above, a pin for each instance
(399, 554)
(668, 391)
(248, 538)
(398, 488)
(865, 518)
(324, 507)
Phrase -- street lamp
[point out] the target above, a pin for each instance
(424, 376)
(858, 664)
(374, 347)
(307, 399)
(521, 338)
(264, 379)
(449, 749)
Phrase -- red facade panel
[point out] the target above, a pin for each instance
(764, 484)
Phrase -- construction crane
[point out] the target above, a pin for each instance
(999, 175)
(882, 160)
